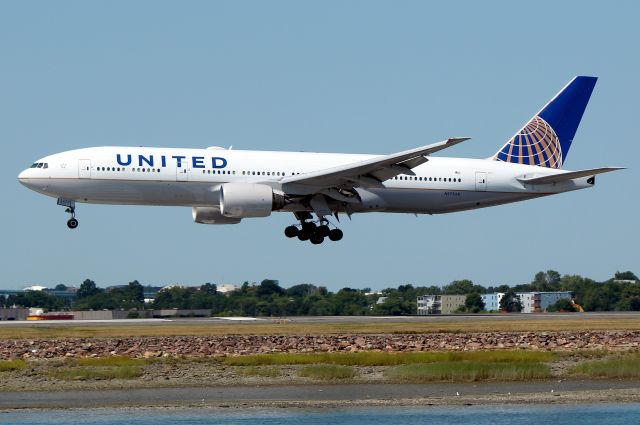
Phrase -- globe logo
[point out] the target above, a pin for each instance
(535, 144)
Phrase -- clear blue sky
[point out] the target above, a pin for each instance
(364, 77)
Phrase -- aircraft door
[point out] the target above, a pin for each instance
(481, 181)
(84, 168)
(182, 173)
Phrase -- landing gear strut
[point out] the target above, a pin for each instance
(310, 231)
(72, 223)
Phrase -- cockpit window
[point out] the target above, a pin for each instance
(45, 165)
(34, 165)
(39, 164)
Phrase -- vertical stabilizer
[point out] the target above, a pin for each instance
(545, 140)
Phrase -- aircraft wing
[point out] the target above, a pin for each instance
(371, 172)
(561, 177)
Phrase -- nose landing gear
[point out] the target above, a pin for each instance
(72, 223)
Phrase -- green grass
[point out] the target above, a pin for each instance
(114, 361)
(263, 372)
(327, 372)
(9, 365)
(622, 367)
(372, 358)
(468, 372)
(96, 373)
(595, 353)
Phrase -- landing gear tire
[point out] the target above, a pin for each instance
(291, 231)
(323, 230)
(72, 223)
(335, 234)
(309, 227)
(304, 235)
(316, 239)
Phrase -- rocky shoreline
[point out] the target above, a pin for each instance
(224, 345)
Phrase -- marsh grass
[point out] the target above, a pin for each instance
(10, 365)
(327, 372)
(263, 372)
(467, 372)
(114, 361)
(627, 366)
(95, 373)
(373, 358)
(595, 353)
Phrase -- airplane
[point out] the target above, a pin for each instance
(224, 186)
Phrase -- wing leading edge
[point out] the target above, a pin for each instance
(371, 172)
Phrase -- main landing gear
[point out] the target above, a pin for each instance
(72, 223)
(315, 233)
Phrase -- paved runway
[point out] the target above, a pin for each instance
(240, 321)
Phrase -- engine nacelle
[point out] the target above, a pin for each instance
(211, 215)
(244, 200)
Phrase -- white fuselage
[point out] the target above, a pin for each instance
(192, 177)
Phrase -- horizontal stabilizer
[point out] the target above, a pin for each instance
(570, 175)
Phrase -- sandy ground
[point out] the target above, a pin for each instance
(328, 396)
(209, 384)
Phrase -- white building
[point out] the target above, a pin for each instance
(532, 302)
(224, 288)
(492, 301)
(428, 304)
(535, 302)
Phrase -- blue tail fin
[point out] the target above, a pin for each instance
(545, 140)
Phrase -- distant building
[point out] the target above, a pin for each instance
(439, 304)
(428, 304)
(225, 288)
(492, 301)
(450, 303)
(381, 300)
(14, 313)
(535, 302)
(35, 288)
(532, 302)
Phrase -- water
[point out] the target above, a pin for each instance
(610, 414)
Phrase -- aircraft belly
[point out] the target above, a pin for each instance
(135, 192)
(422, 201)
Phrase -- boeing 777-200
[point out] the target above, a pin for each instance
(224, 186)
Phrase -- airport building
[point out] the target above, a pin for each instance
(532, 302)
(440, 304)
(535, 302)
(492, 301)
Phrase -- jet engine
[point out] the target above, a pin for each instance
(244, 200)
(211, 215)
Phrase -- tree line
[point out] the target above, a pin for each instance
(268, 298)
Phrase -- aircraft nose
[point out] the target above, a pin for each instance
(22, 177)
(25, 178)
